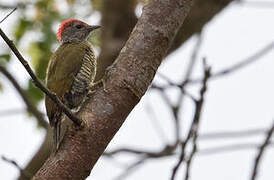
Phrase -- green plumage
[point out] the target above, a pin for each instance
(70, 71)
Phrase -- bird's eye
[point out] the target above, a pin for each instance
(79, 26)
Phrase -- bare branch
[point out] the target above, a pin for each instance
(175, 108)
(156, 125)
(30, 105)
(8, 15)
(166, 151)
(226, 71)
(5, 6)
(236, 67)
(256, 4)
(261, 152)
(24, 174)
(12, 6)
(189, 160)
(196, 119)
(205, 151)
(194, 55)
(161, 154)
(229, 148)
(190, 68)
(131, 169)
(171, 84)
(38, 83)
(232, 134)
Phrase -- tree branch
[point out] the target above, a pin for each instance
(24, 174)
(228, 70)
(205, 151)
(130, 169)
(232, 134)
(256, 4)
(261, 151)
(193, 132)
(8, 15)
(125, 82)
(188, 73)
(12, 6)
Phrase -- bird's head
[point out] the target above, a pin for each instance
(73, 30)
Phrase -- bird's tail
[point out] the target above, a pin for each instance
(56, 135)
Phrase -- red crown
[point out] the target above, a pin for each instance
(65, 24)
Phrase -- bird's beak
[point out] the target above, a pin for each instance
(91, 28)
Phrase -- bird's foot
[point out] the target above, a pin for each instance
(93, 87)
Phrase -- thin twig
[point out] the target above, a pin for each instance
(190, 68)
(229, 148)
(226, 71)
(30, 105)
(38, 83)
(205, 151)
(194, 126)
(166, 151)
(8, 15)
(170, 151)
(194, 55)
(175, 108)
(130, 169)
(24, 174)
(256, 4)
(172, 84)
(12, 6)
(5, 6)
(156, 125)
(261, 152)
(189, 161)
(241, 64)
(232, 134)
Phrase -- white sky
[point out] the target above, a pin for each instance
(243, 100)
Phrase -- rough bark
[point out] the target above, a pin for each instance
(126, 81)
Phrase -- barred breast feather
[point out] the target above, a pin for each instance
(70, 71)
(83, 78)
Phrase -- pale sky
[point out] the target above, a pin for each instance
(243, 100)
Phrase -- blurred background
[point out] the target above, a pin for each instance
(235, 38)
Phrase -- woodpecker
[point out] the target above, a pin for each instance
(70, 71)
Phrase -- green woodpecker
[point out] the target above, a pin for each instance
(70, 71)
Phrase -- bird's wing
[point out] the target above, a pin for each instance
(63, 67)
